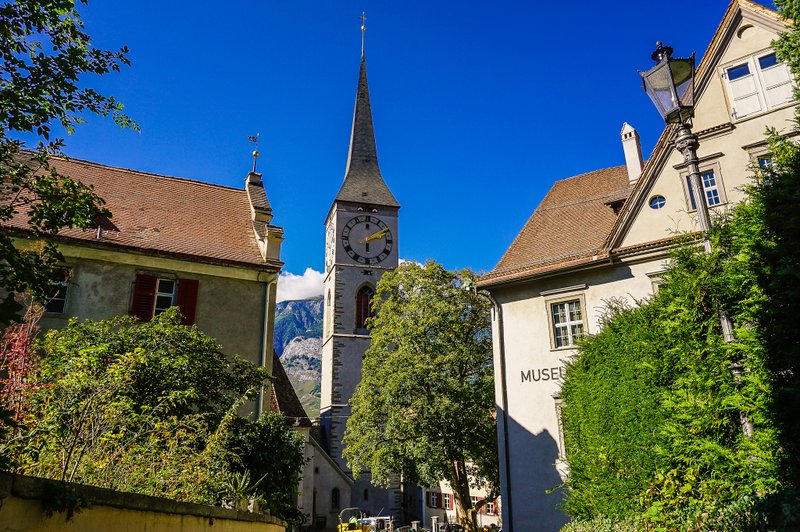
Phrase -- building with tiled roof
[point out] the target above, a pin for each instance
(210, 250)
(606, 235)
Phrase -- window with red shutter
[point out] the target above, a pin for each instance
(144, 296)
(187, 299)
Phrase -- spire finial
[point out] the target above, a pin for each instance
(363, 18)
(254, 138)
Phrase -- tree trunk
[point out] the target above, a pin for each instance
(465, 514)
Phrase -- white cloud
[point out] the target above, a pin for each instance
(291, 286)
(409, 261)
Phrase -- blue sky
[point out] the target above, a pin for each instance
(478, 106)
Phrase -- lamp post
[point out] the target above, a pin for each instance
(670, 85)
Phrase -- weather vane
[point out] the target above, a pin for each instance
(254, 138)
(363, 18)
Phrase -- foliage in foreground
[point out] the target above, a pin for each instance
(424, 406)
(45, 57)
(653, 415)
(149, 408)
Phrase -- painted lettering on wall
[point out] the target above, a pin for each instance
(543, 374)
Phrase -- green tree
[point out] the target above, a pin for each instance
(151, 408)
(424, 407)
(44, 55)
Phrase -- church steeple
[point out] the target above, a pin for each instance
(363, 182)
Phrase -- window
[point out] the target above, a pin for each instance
(56, 298)
(765, 162)
(434, 499)
(711, 187)
(567, 319)
(756, 84)
(366, 494)
(473, 501)
(559, 403)
(335, 499)
(165, 295)
(656, 202)
(446, 501)
(153, 294)
(490, 508)
(364, 306)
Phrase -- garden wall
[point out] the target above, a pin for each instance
(29, 504)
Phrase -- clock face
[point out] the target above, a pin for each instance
(367, 240)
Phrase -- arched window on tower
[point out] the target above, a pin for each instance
(364, 306)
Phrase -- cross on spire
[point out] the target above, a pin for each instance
(363, 18)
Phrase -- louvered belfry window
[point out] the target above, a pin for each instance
(363, 306)
(152, 295)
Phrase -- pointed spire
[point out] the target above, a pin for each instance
(362, 181)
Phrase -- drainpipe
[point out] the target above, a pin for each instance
(505, 487)
(265, 349)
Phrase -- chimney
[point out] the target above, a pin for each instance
(633, 152)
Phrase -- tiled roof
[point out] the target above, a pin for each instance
(363, 182)
(570, 224)
(166, 216)
(284, 398)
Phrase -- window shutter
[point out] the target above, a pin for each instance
(451, 502)
(144, 296)
(187, 299)
(429, 501)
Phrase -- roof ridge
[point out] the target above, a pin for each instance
(67, 158)
(578, 202)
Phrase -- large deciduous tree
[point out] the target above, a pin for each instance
(424, 408)
(44, 55)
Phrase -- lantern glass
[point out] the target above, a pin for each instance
(670, 85)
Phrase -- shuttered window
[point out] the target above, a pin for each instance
(757, 84)
(153, 295)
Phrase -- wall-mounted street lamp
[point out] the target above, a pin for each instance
(670, 85)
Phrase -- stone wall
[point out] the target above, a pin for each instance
(29, 504)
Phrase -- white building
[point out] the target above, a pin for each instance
(605, 234)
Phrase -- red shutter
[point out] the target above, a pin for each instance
(144, 297)
(452, 501)
(187, 299)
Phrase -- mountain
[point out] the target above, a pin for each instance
(302, 317)
(298, 343)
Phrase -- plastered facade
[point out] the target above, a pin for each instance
(528, 366)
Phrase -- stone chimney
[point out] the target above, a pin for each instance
(633, 152)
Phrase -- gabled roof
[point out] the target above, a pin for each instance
(705, 71)
(284, 398)
(571, 223)
(574, 225)
(363, 182)
(166, 216)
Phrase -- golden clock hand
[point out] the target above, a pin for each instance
(374, 236)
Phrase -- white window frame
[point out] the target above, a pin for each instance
(63, 287)
(719, 186)
(172, 295)
(760, 86)
(558, 402)
(566, 299)
(490, 508)
(446, 501)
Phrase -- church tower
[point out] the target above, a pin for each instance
(361, 245)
